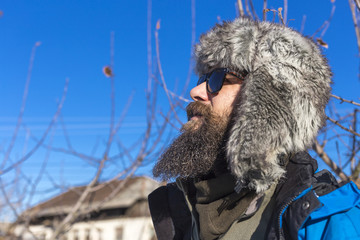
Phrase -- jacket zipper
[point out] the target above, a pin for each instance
(282, 209)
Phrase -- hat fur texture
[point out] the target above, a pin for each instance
(281, 104)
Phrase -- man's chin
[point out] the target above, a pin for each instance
(193, 124)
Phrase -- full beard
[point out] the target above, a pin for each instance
(199, 151)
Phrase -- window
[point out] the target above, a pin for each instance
(76, 235)
(87, 234)
(64, 237)
(119, 233)
(99, 234)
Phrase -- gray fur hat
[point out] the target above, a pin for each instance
(281, 104)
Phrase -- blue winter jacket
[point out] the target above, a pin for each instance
(337, 217)
(308, 205)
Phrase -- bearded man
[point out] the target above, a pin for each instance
(240, 163)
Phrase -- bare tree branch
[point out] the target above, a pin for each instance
(356, 173)
(303, 24)
(54, 119)
(193, 36)
(248, 9)
(356, 26)
(265, 10)
(241, 8)
(162, 74)
(339, 155)
(285, 10)
(326, 23)
(357, 2)
(323, 155)
(353, 149)
(344, 100)
(253, 10)
(23, 105)
(280, 16)
(342, 127)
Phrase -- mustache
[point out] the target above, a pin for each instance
(198, 109)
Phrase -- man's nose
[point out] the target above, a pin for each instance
(199, 93)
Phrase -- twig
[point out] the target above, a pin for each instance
(14, 211)
(23, 105)
(148, 45)
(253, 10)
(66, 135)
(112, 83)
(118, 124)
(356, 172)
(27, 137)
(265, 10)
(193, 39)
(161, 72)
(303, 24)
(95, 146)
(357, 182)
(338, 137)
(90, 160)
(179, 97)
(173, 94)
(168, 120)
(53, 120)
(151, 94)
(356, 155)
(344, 100)
(353, 13)
(113, 193)
(75, 212)
(339, 155)
(322, 154)
(352, 157)
(285, 10)
(125, 152)
(70, 151)
(326, 23)
(280, 16)
(342, 127)
(248, 9)
(241, 8)
(41, 172)
(62, 187)
(357, 2)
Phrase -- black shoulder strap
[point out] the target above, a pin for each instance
(170, 214)
(324, 182)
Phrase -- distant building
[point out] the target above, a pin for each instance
(125, 217)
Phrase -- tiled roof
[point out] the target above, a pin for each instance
(131, 190)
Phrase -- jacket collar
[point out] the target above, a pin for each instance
(296, 183)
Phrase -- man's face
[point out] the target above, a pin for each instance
(200, 149)
(221, 103)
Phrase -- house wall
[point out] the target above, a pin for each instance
(139, 228)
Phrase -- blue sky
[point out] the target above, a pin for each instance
(75, 44)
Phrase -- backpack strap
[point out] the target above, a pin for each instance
(170, 214)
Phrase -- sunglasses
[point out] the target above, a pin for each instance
(215, 79)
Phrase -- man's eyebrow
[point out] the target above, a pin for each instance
(232, 78)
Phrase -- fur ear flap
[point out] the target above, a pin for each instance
(261, 130)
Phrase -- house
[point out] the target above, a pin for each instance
(126, 216)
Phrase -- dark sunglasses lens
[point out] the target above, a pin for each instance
(216, 81)
(201, 79)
